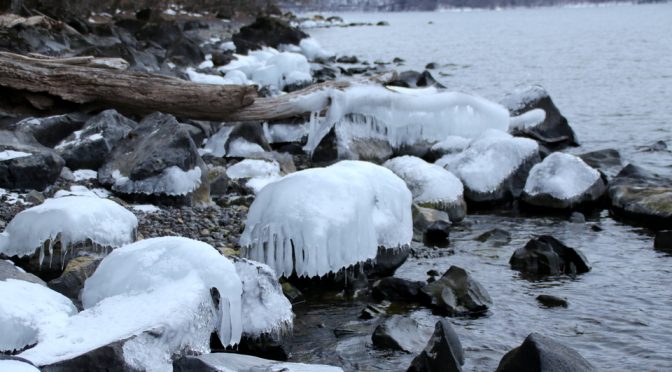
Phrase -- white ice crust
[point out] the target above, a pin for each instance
(172, 181)
(16, 366)
(451, 144)
(325, 219)
(269, 67)
(29, 311)
(69, 219)
(527, 120)
(489, 160)
(229, 362)
(259, 172)
(562, 176)
(11, 154)
(521, 96)
(429, 183)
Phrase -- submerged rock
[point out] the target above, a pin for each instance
(495, 237)
(543, 354)
(554, 131)
(217, 362)
(546, 255)
(443, 353)
(663, 240)
(641, 197)
(552, 301)
(562, 181)
(399, 333)
(25, 163)
(457, 293)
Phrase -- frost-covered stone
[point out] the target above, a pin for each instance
(270, 68)
(351, 138)
(321, 220)
(493, 167)
(65, 225)
(431, 185)
(562, 181)
(257, 172)
(266, 310)
(25, 163)
(230, 362)
(29, 312)
(162, 297)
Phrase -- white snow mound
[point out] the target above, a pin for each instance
(562, 176)
(429, 183)
(320, 220)
(269, 67)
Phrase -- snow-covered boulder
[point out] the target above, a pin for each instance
(549, 127)
(29, 312)
(230, 362)
(351, 138)
(431, 185)
(157, 158)
(25, 163)
(449, 145)
(493, 167)
(88, 147)
(321, 220)
(67, 226)
(257, 173)
(16, 365)
(562, 181)
(161, 297)
(266, 310)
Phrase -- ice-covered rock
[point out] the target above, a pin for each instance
(25, 163)
(61, 227)
(494, 166)
(29, 312)
(162, 297)
(257, 172)
(551, 130)
(351, 138)
(157, 158)
(229, 362)
(266, 310)
(88, 147)
(562, 181)
(450, 145)
(11, 365)
(270, 68)
(320, 220)
(431, 185)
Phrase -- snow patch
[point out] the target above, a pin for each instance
(269, 67)
(172, 181)
(11, 154)
(85, 174)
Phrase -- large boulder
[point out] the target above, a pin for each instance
(539, 353)
(399, 333)
(563, 181)
(25, 163)
(160, 159)
(641, 197)
(494, 167)
(457, 293)
(266, 31)
(51, 130)
(87, 148)
(547, 255)
(554, 131)
(443, 353)
(217, 362)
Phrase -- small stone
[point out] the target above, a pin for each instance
(577, 217)
(552, 301)
(663, 240)
(205, 232)
(596, 228)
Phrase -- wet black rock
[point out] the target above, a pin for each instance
(27, 164)
(139, 60)
(185, 52)
(399, 290)
(608, 161)
(546, 255)
(423, 218)
(266, 31)
(539, 353)
(88, 148)
(443, 353)
(658, 146)
(292, 293)
(266, 347)
(457, 293)
(552, 301)
(432, 66)
(9, 271)
(495, 237)
(111, 355)
(554, 132)
(71, 282)
(387, 261)
(162, 33)
(415, 79)
(222, 58)
(371, 312)
(399, 333)
(436, 234)
(347, 59)
(663, 240)
(641, 197)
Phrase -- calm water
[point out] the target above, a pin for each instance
(610, 72)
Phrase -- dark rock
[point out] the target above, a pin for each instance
(398, 60)
(577, 217)
(382, 23)
(387, 261)
(608, 160)
(554, 132)
(37, 170)
(437, 234)
(326, 73)
(399, 333)
(399, 290)
(641, 197)
(49, 131)
(219, 181)
(248, 132)
(194, 24)
(546, 255)
(423, 218)
(495, 237)
(185, 52)
(658, 146)
(139, 60)
(432, 66)
(663, 240)
(347, 59)
(222, 58)
(263, 347)
(371, 312)
(415, 79)
(266, 31)
(34, 197)
(552, 301)
(336, 145)
(88, 148)
(596, 228)
(161, 33)
(543, 354)
(292, 293)
(9, 271)
(443, 353)
(457, 293)
(71, 282)
(111, 356)
(144, 14)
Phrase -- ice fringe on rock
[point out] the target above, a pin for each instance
(266, 310)
(563, 177)
(29, 311)
(489, 160)
(165, 296)
(321, 220)
(404, 117)
(171, 181)
(259, 172)
(68, 220)
(429, 183)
